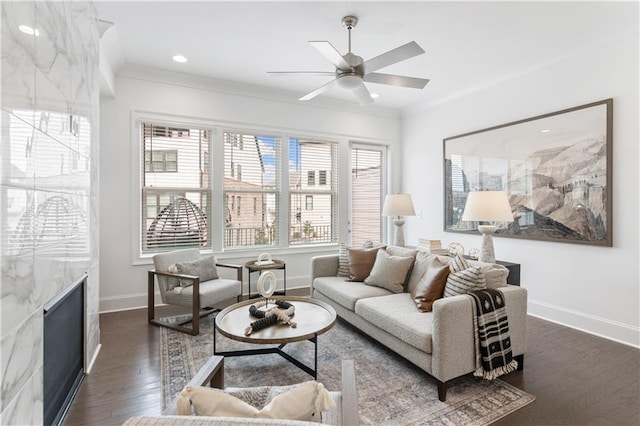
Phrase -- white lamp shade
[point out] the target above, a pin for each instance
(489, 206)
(398, 205)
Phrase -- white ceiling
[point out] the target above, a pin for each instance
(469, 45)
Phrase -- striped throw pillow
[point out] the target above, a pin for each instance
(463, 279)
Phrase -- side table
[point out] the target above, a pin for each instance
(277, 264)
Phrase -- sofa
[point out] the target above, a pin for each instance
(439, 340)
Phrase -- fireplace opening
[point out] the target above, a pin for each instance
(63, 350)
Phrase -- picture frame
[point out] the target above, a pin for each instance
(555, 168)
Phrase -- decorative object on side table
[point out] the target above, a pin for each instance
(455, 249)
(398, 205)
(487, 206)
(275, 264)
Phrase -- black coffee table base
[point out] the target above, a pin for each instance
(275, 350)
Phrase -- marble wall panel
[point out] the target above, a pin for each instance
(22, 354)
(50, 100)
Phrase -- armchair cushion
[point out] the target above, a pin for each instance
(203, 268)
(299, 402)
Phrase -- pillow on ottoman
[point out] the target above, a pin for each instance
(431, 286)
(389, 272)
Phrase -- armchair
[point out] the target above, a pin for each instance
(212, 374)
(197, 296)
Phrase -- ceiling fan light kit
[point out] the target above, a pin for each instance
(352, 71)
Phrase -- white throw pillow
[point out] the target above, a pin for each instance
(462, 278)
(389, 272)
(303, 402)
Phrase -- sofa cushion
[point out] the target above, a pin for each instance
(361, 262)
(346, 293)
(463, 278)
(389, 272)
(431, 286)
(397, 315)
(401, 251)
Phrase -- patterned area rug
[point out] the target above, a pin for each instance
(391, 390)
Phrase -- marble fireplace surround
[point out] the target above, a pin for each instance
(48, 187)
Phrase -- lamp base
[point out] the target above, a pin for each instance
(398, 239)
(487, 254)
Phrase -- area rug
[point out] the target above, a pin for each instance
(391, 390)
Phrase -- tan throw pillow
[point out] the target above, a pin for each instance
(361, 262)
(431, 286)
(423, 259)
(495, 275)
(463, 279)
(303, 402)
(389, 272)
(203, 268)
(343, 258)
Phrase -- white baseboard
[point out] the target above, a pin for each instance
(139, 300)
(93, 359)
(592, 324)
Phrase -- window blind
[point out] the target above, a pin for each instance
(313, 191)
(251, 182)
(367, 173)
(175, 189)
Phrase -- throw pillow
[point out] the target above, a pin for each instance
(361, 262)
(496, 275)
(463, 279)
(389, 272)
(204, 268)
(423, 259)
(431, 286)
(343, 258)
(303, 402)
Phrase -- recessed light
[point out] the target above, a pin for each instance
(374, 96)
(546, 131)
(179, 58)
(28, 30)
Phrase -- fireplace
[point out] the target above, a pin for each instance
(64, 332)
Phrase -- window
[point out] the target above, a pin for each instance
(175, 207)
(322, 177)
(367, 188)
(161, 161)
(317, 221)
(255, 162)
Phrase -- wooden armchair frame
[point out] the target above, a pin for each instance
(195, 306)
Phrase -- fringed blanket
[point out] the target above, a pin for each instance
(493, 343)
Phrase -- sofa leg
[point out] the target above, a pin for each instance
(442, 391)
(520, 359)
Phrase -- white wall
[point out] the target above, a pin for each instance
(123, 284)
(595, 289)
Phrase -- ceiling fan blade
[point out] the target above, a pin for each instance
(319, 90)
(331, 53)
(321, 73)
(363, 95)
(393, 56)
(396, 80)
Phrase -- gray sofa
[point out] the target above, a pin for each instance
(440, 342)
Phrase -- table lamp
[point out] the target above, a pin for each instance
(398, 205)
(487, 206)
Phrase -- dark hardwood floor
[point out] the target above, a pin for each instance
(578, 379)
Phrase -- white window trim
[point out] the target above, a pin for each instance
(344, 144)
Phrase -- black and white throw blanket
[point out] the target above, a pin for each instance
(493, 342)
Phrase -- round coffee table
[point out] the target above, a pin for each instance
(313, 317)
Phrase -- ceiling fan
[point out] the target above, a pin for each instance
(351, 71)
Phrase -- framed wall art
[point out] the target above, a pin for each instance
(555, 169)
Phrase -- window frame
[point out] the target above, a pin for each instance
(216, 178)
